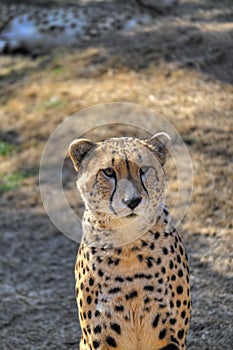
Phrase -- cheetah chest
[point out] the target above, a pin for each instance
(138, 295)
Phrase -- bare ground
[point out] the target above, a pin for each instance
(182, 68)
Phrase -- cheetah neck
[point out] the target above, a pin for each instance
(102, 231)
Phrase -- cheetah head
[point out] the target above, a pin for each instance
(122, 180)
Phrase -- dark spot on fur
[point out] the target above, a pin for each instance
(181, 334)
(129, 279)
(183, 314)
(152, 246)
(156, 321)
(89, 299)
(181, 250)
(97, 329)
(111, 341)
(180, 273)
(149, 262)
(170, 347)
(163, 269)
(100, 273)
(162, 333)
(97, 313)
(140, 257)
(119, 279)
(179, 289)
(91, 281)
(119, 308)
(131, 295)
(173, 321)
(115, 327)
(114, 290)
(144, 244)
(149, 288)
(96, 344)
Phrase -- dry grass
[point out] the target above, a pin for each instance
(198, 106)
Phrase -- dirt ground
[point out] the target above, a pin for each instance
(181, 67)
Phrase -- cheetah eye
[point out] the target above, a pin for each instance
(109, 172)
(143, 170)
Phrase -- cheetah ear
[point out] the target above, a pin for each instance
(159, 143)
(78, 150)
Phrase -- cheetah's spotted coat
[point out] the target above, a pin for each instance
(134, 296)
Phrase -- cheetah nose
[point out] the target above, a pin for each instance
(132, 203)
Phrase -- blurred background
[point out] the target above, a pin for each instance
(58, 57)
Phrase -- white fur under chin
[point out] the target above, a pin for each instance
(128, 229)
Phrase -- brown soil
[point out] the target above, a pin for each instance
(182, 68)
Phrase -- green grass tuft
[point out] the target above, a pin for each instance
(189, 140)
(57, 70)
(11, 182)
(5, 149)
(55, 104)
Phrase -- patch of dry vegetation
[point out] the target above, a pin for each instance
(198, 106)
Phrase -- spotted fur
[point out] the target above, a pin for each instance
(37, 29)
(132, 272)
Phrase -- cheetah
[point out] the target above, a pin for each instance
(36, 30)
(132, 271)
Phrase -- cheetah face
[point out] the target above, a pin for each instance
(122, 178)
